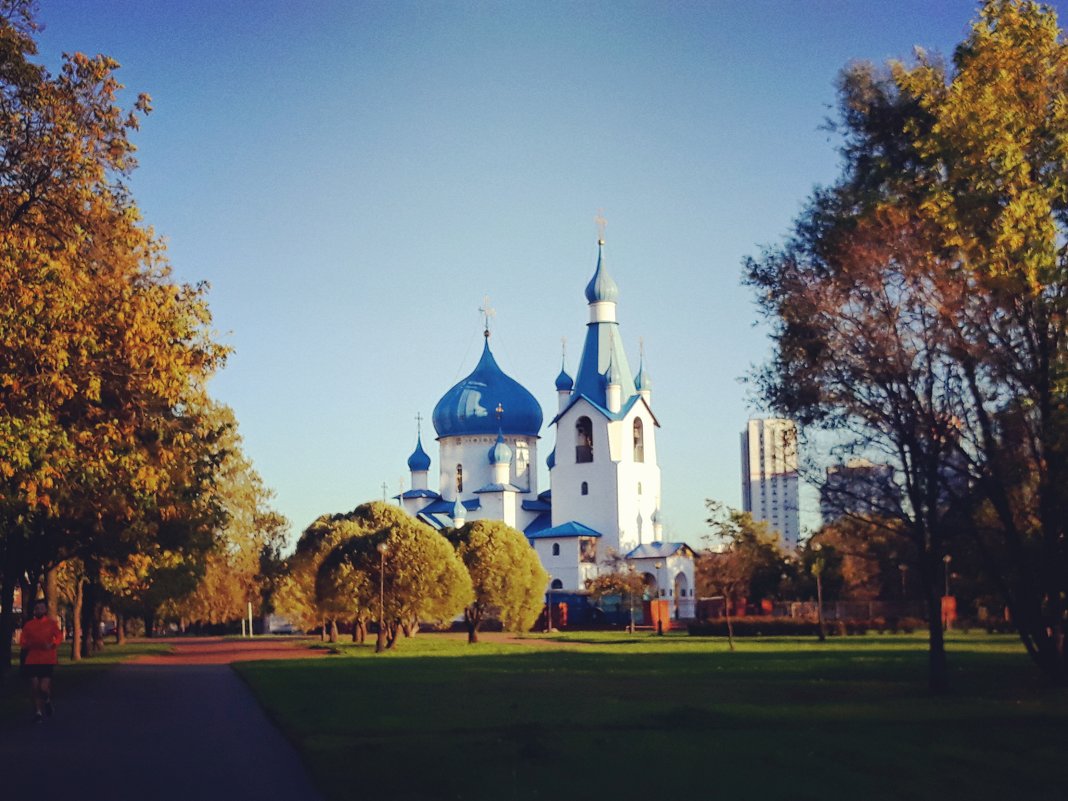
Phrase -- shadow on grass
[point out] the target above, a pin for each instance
(775, 720)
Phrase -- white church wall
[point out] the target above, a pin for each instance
(564, 565)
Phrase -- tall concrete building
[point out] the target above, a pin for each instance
(769, 476)
(858, 488)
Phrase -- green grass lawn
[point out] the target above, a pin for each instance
(14, 690)
(672, 718)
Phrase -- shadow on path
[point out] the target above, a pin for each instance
(168, 732)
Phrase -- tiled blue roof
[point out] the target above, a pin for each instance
(470, 406)
(624, 410)
(499, 488)
(652, 550)
(537, 506)
(537, 525)
(417, 493)
(568, 529)
(443, 507)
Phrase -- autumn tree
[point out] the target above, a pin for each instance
(745, 561)
(102, 354)
(421, 577)
(298, 595)
(618, 579)
(231, 574)
(919, 309)
(507, 576)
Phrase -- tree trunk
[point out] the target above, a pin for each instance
(333, 630)
(322, 631)
(472, 619)
(51, 582)
(120, 629)
(150, 623)
(730, 626)
(392, 630)
(380, 641)
(76, 620)
(937, 668)
(98, 623)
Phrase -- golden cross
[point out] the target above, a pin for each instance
(487, 312)
(602, 223)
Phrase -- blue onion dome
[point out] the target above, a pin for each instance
(550, 461)
(612, 375)
(419, 460)
(643, 381)
(601, 287)
(459, 511)
(500, 453)
(471, 406)
(564, 382)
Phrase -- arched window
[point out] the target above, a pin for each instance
(639, 441)
(459, 478)
(585, 488)
(639, 488)
(583, 440)
(557, 584)
(556, 549)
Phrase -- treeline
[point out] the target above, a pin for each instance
(378, 563)
(919, 311)
(121, 483)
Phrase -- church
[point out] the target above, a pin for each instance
(603, 500)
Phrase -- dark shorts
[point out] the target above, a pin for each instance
(38, 671)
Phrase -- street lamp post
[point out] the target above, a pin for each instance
(659, 595)
(630, 594)
(945, 601)
(380, 643)
(817, 570)
(549, 607)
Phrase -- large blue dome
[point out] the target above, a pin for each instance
(470, 406)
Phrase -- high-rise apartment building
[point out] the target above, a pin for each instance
(769, 476)
(858, 488)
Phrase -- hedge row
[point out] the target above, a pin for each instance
(789, 626)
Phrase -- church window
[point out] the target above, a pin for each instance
(583, 440)
(585, 488)
(556, 549)
(522, 459)
(459, 478)
(639, 441)
(557, 584)
(639, 488)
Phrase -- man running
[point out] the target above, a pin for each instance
(40, 638)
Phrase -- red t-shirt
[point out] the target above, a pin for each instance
(38, 634)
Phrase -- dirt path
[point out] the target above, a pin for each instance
(169, 729)
(221, 651)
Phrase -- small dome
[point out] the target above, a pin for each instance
(643, 382)
(550, 461)
(459, 511)
(601, 287)
(612, 376)
(564, 382)
(469, 407)
(500, 453)
(419, 460)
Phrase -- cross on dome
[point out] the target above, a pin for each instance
(487, 312)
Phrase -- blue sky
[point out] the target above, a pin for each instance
(353, 178)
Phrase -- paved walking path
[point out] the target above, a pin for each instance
(182, 727)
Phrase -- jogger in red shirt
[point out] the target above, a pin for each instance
(40, 639)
